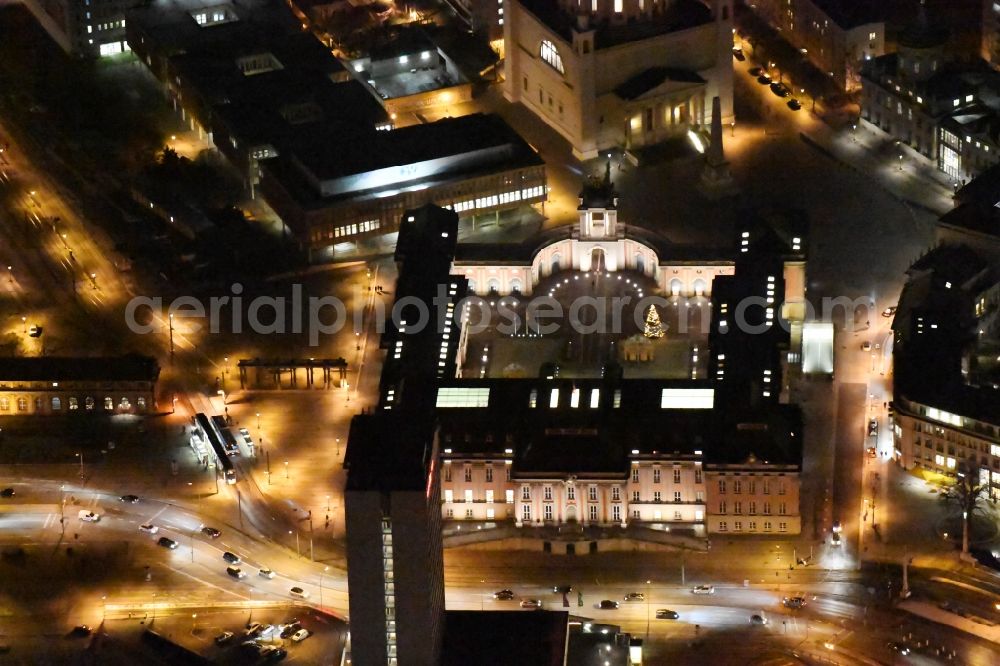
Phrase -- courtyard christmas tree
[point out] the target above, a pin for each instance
(653, 327)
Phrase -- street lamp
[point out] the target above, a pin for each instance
(258, 423)
(900, 162)
(286, 469)
(647, 609)
(10, 273)
(24, 322)
(325, 569)
(80, 455)
(732, 128)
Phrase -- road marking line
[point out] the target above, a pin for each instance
(205, 582)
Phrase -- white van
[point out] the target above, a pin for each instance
(89, 516)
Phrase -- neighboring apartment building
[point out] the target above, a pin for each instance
(52, 385)
(945, 108)
(88, 28)
(947, 344)
(619, 73)
(837, 36)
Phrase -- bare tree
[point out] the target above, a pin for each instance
(966, 493)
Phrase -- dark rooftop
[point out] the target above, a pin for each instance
(922, 33)
(850, 13)
(679, 15)
(337, 155)
(131, 368)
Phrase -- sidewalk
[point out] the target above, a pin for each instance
(971, 625)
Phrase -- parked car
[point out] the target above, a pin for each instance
(300, 635)
(793, 104)
(872, 427)
(835, 539)
(149, 528)
(89, 516)
(79, 631)
(664, 614)
(738, 54)
(793, 602)
(532, 604)
(232, 558)
(129, 499)
(269, 630)
(503, 595)
(167, 542)
(899, 647)
(7, 492)
(703, 589)
(836, 527)
(35, 331)
(780, 89)
(764, 80)
(299, 593)
(253, 629)
(635, 596)
(224, 638)
(888, 312)
(758, 620)
(247, 439)
(236, 572)
(290, 629)
(275, 654)
(866, 346)
(562, 589)
(756, 71)
(608, 604)
(265, 573)
(211, 531)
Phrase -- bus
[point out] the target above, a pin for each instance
(209, 433)
(228, 441)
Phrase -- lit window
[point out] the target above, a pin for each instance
(554, 398)
(551, 56)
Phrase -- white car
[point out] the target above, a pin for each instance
(247, 439)
(300, 635)
(703, 589)
(149, 528)
(89, 516)
(265, 573)
(299, 593)
(531, 604)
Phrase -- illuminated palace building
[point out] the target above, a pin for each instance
(622, 428)
(619, 73)
(313, 137)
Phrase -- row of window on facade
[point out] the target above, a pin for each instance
(72, 404)
(493, 200)
(751, 526)
(752, 508)
(751, 486)
(489, 496)
(570, 490)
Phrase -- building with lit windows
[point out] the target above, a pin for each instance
(639, 435)
(605, 455)
(314, 141)
(619, 73)
(946, 108)
(837, 36)
(89, 28)
(52, 385)
(946, 351)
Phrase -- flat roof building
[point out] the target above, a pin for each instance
(51, 385)
(315, 141)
